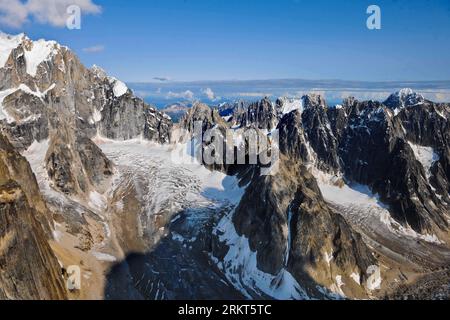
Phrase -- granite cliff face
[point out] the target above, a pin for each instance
(290, 226)
(30, 269)
(284, 216)
(48, 93)
(308, 218)
(51, 107)
(49, 88)
(380, 149)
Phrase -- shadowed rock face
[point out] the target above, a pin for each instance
(372, 144)
(290, 226)
(262, 114)
(292, 137)
(428, 125)
(18, 169)
(29, 267)
(127, 117)
(374, 150)
(200, 112)
(77, 166)
(318, 234)
(319, 133)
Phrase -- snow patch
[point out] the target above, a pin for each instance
(38, 93)
(426, 156)
(41, 51)
(96, 116)
(3, 94)
(360, 199)
(97, 201)
(7, 44)
(119, 205)
(374, 280)
(3, 114)
(177, 237)
(328, 257)
(337, 286)
(103, 256)
(290, 105)
(240, 268)
(57, 235)
(119, 88)
(356, 277)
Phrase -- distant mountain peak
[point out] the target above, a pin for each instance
(404, 98)
(35, 52)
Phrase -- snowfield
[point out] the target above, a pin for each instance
(240, 268)
(364, 207)
(198, 191)
(39, 51)
(169, 181)
(292, 104)
(426, 156)
(119, 88)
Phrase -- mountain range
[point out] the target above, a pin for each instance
(95, 178)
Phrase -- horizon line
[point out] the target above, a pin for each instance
(288, 79)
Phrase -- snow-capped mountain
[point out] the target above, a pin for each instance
(404, 98)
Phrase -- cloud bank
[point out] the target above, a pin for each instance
(209, 93)
(188, 95)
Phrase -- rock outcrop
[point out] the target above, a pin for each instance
(29, 269)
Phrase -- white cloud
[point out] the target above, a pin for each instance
(188, 94)
(209, 93)
(94, 49)
(15, 13)
(253, 94)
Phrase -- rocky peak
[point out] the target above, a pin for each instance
(290, 227)
(313, 100)
(262, 115)
(88, 99)
(292, 139)
(203, 113)
(404, 98)
(98, 72)
(319, 133)
(33, 53)
(286, 105)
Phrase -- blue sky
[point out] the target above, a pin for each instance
(248, 39)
